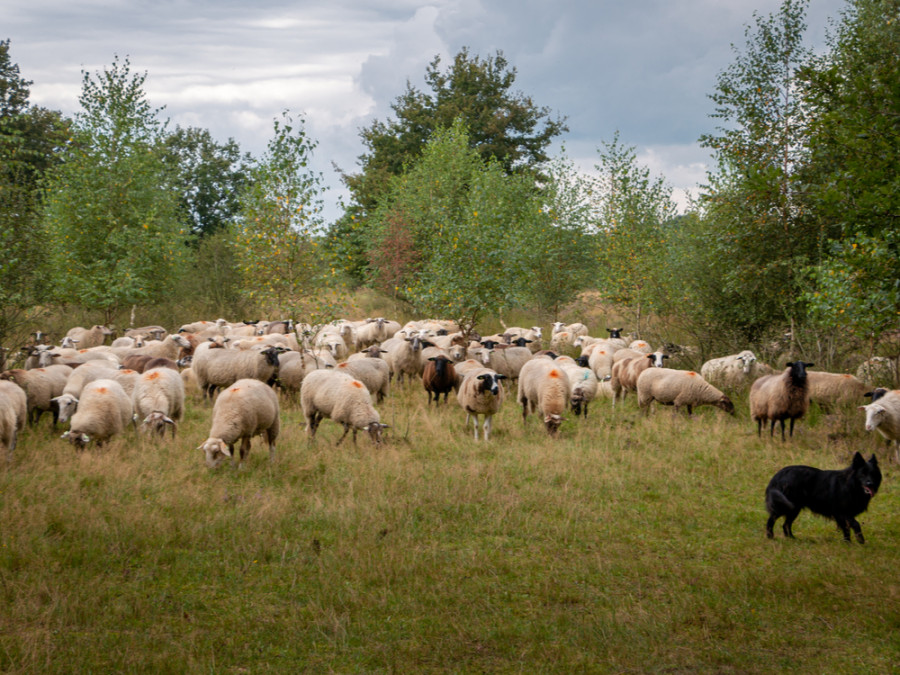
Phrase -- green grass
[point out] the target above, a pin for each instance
(629, 545)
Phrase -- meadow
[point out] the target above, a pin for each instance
(627, 545)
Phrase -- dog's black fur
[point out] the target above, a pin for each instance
(839, 495)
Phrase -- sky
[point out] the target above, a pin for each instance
(642, 68)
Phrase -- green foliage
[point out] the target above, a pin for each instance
(112, 215)
(209, 176)
(854, 177)
(277, 238)
(630, 210)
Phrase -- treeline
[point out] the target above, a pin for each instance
(458, 211)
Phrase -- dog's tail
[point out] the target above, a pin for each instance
(776, 501)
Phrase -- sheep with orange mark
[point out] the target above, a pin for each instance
(335, 394)
(158, 400)
(104, 410)
(246, 409)
(679, 388)
(374, 373)
(544, 388)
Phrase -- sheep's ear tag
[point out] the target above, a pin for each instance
(366, 428)
(134, 418)
(65, 435)
(85, 438)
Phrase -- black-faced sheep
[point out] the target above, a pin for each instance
(439, 377)
(220, 368)
(343, 399)
(625, 373)
(780, 397)
(246, 409)
(481, 394)
(544, 388)
(679, 388)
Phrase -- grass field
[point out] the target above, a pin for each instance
(628, 545)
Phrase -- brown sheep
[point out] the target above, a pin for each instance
(780, 397)
(439, 378)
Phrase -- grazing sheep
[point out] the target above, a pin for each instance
(481, 394)
(439, 378)
(374, 373)
(625, 373)
(67, 403)
(343, 399)
(583, 384)
(834, 389)
(13, 413)
(883, 415)
(220, 368)
(780, 397)
(544, 387)
(158, 400)
(88, 337)
(41, 386)
(734, 371)
(679, 388)
(246, 409)
(104, 410)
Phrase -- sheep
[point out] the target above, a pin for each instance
(544, 387)
(615, 340)
(343, 399)
(780, 397)
(259, 342)
(834, 389)
(372, 331)
(41, 386)
(439, 378)
(374, 373)
(89, 337)
(679, 388)
(583, 386)
(154, 332)
(335, 343)
(190, 381)
(883, 415)
(294, 366)
(220, 368)
(402, 356)
(371, 352)
(575, 329)
(508, 362)
(601, 362)
(128, 342)
(640, 346)
(562, 340)
(533, 335)
(127, 378)
(67, 403)
(104, 410)
(734, 371)
(626, 353)
(481, 394)
(13, 413)
(158, 400)
(245, 409)
(625, 373)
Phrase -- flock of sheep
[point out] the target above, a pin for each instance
(342, 370)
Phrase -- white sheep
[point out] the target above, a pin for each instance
(104, 410)
(601, 362)
(13, 413)
(679, 388)
(220, 368)
(245, 409)
(734, 371)
(575, 328)
(372, 331)
(294, 366)
(41, 386)
(67, 403)
(158, 400)
(584, 387)
(884, 416)
(481, 394)
(88, 337)
(508, 362)
(374, 373)
(402, 355)
(544, 387)
(341, 398)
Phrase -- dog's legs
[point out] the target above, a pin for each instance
(842, 525)
(770, 524)
(788, 522)
(857, 529)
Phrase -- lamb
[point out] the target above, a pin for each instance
(220, 368)
(89, 337)
(544, 387)
(158, 400)
(374, 373)
(13, 413)
(508, 362)
(481, 394)
(41, 386)
(679, 388)
(245, 409)
(104, 410)
(780, 397)
(439, 378)
(883, 415)
(625, 373)
(834, 389)
(338, 396)
(734, 371)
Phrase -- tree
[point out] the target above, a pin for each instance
(854, 171)
(631, 209)
(29, 137)
(756, 220)
(209, 176)
(278, 236)
(110, 208)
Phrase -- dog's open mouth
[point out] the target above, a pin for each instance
(868, 490)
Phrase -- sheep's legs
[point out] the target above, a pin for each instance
(487, 427)
(346, 430)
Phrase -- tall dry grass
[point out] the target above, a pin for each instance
(630, 544)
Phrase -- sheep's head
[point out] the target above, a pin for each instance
(537, 331)
(615, 332)
(725, 404)
(657, 359)
(875, 415)
(374, 429)
(66, 404)
(77, 438)
(156, 422)
(490, 382)
(552, 423)
(557, 326)
(216, 452)
(68, 343)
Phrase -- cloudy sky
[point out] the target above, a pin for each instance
(642, 67)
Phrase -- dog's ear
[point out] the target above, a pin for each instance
(858, 461)
(873, 461)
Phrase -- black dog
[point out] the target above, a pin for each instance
(839, 495)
